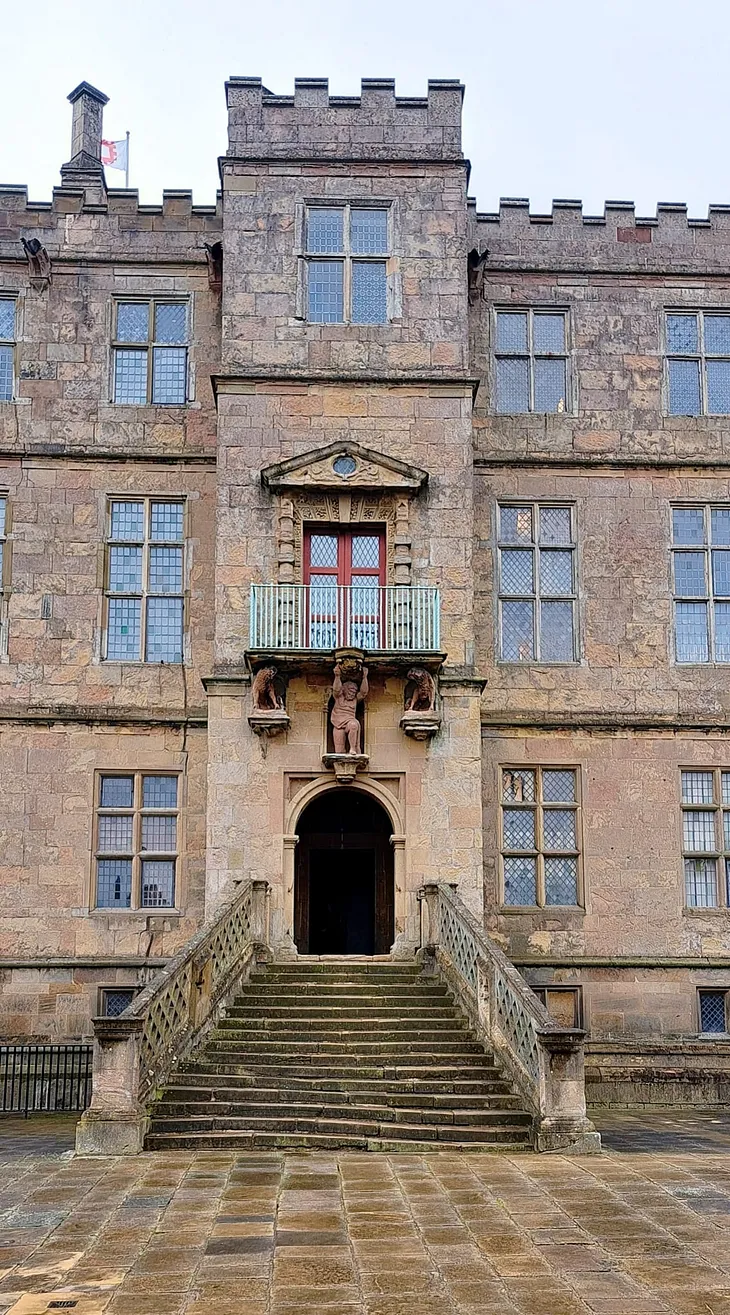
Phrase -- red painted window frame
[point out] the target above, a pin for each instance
(344, 569)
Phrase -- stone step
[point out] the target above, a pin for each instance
(260, 1141)
(239, 1031)
(236, 1113)
(349, 1045)
(429, 1087)
(422, 988)
(187, 1093)
(373, 1011)
(348, 1127)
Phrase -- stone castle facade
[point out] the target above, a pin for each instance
(342, 409)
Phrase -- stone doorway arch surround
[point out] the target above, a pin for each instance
(392, 808)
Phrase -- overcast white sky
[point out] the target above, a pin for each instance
(594, 99)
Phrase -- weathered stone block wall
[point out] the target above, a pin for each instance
(49, 938)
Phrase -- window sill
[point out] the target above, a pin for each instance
(541, 908)
(695, 910)
(136, 913)
(538, 662)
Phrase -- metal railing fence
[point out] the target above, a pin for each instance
(44, 1078)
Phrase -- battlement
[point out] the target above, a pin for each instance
(311, 124)
(618, 237)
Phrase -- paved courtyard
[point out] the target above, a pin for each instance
(641, 1229)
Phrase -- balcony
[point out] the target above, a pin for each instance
(317, 619)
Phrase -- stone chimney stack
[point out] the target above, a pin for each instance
(84, 169)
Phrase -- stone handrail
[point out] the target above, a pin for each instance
(135, 1053)
(544, 1061)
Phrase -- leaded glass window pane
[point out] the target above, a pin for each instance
(556, 572)
(548, 333)
(549, 385)
(159, 792)
(169, 375)
(698, 787)
(166, 521)
(115, 1002)
(520, 881)
(518, 826)
(518, 631)
(699, 831)
(115, 834)
(688, 526)
(365, 550)
(712, 1011)
(125, 570)
(124, 631)
(325, 230)
(561, 881)
(116, 792)
(369, 292)
(164, 630)
(511, 332)
(323, 550)
(720, 526)
(689, 574)
(127, 520)
(558, 786)
(159, 833)
(717, 335)
(7, 318)
(326, 295)
(165, 570)
(368, 232)
(158, 884)
(171, 322)
(684, 388)
(722, 632)
(113, 883)
(513, 386)
(556, 632)
(555, 525)
(682, 337)
(517, 571)
(718, 387)
(518, 787)
(515, 524)
(721, 573)
(700, 876)
(6, 374)
(558, 826)
(691, 632)
(3, 506)
(133, 321)
(130, 377)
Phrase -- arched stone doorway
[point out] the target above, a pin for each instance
(343, 882)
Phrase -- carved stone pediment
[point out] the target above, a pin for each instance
(341, 466)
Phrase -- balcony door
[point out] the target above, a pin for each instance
(344, 571)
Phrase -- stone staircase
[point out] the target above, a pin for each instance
(353, 1054)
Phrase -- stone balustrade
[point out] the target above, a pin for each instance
(135, 1053)
(543, 1060)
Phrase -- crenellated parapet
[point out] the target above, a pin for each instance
(375, 125)
(619, 238)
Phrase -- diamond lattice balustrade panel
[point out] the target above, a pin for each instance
(461, 946)
(230, 940)
(167, 1017)
(517, 1026)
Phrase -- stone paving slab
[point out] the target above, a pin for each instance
(643, 1229)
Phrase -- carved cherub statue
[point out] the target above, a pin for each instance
(263, 691)
(347, 694)
(423, 698)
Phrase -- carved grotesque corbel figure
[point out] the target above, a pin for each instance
(423, 698)
(347, 694)
(263, 691)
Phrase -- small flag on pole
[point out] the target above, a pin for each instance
(115, 155)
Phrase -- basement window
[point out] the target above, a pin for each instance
(563, 1003)
(713, 1011)
(113, 1000)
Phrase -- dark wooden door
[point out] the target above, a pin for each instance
(335, 873)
